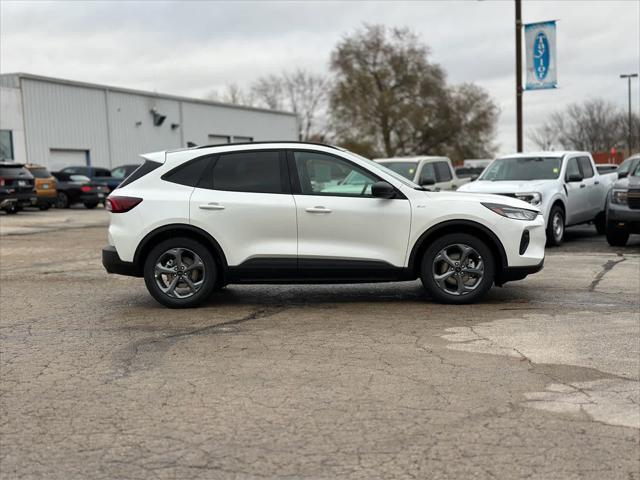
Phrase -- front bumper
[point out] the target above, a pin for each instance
(113, 264)
(623, 217)
(510, 274)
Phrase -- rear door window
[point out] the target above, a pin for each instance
(443, 172)
(251, 171)
(585, 166)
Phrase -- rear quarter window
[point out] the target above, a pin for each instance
(189, 173)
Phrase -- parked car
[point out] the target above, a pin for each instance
(74, 189)
(192, 221)
(628, 166)
(45, 185)
(623, 209)
(98, 175)
(434, 173)
(606, 167)
(565, 186)
(123, 171)
(16, 187)
(472, 173)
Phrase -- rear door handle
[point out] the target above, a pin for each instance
(318, 209)
(211, 206)
(597, 182)
(582, 185)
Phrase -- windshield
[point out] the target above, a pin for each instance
(386, 170)
(637, 172)
(406, 169)
(523, 168)
(626, 166)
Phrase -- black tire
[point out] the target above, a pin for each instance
(90, 205)
(62, 200)
(616, 237)
(210, 273)
(12, 210)
(441, 292)
(601, 223)
(555, 237)
(44, 206)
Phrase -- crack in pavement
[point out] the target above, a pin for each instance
(606, 268)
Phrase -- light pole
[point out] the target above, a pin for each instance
(629, 76)
(519, 89)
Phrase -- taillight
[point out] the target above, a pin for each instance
(122, 204)
(1, 182)
(85, 188)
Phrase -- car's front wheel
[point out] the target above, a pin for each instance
(457, 268)
(180, 272)
(62, 200)
(555, 227)
(616, 237)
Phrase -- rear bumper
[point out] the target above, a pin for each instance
(21, 199)
(112, 263)
(510, 274)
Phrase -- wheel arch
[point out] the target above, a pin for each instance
(179, 230)
(458, 226)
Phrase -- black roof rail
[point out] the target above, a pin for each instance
(267, 142)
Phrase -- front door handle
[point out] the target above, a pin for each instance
(318, 209)
(582, 185)
(211, 206)
(596, 182)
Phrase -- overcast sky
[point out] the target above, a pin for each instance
(192, 48)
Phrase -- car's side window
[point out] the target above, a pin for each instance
(443, 172)
(427, 173)
(250, 171)
(189, 173)
(322, 174)
(118, 173)
(585, 166)
(572, 168)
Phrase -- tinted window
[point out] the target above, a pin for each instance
(443, 172)
(188, 173)
(13, 171)
(585, 165)
(428, 172)
(322, 174)
(141, 171)
(258, 172)
(101, 172)
(572, 168)
(40, 172)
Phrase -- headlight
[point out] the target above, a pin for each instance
(534, 198)
(512, 212)
(619, 196)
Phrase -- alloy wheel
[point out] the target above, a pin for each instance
(558, 226)
(179, 273)
(458, 269)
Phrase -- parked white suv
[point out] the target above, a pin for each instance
(191, 221)
(433, 173)
(566, 187)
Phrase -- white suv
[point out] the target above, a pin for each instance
(192, 221)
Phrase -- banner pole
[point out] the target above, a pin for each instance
(519, 89)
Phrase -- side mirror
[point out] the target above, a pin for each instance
(427, 181)
(574, 177)
(383, 190)
(622, 174)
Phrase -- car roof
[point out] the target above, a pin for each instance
(259, 144)
(551, 154)
(410, 159)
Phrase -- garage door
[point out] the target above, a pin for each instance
(60, 158)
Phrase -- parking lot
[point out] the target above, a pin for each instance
(541, 380)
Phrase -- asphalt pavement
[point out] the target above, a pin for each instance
(541, 380)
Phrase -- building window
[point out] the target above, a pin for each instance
(219, 139)
(6, 145)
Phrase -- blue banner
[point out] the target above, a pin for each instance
(540, 44)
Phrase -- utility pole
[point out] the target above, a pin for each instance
(519, 89)
(629, 76)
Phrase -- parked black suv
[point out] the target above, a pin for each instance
(17, 188)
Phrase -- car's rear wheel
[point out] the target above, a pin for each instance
(180, 272)
(62, 200)
(616, 237)
(44, 206)
(555, 227)
(13, 209)
(91, 205)
(457, 268)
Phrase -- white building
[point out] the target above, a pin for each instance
(58, 122)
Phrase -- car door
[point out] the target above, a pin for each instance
(244, 201)
(592, 187)
(578, 208)
(342, 229)
(444, 179)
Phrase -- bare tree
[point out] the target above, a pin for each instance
(544, 137)
(233, 94)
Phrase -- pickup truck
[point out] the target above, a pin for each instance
(623, 204)
(433, 173)
(565, 186)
